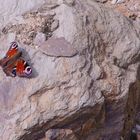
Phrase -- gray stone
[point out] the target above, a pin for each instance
(85, 82)
(54, 25)
(117, 1)
(39, 39)
(58, 47)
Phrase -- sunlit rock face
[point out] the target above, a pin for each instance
(85, 71)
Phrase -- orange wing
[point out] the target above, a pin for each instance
(12, 54)
(13, 64)
(22, 68)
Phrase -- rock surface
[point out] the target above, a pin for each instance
(129, 8)
(58, 47)
(85, 86)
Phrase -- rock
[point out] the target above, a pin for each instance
(69, 2)
(59, 134)
(117, 1)
(58, 47)
(13, 10)
(54, 25)
(39, 39)
(102, 1)
(85, 82)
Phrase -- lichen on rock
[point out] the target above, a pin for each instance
(33, 23)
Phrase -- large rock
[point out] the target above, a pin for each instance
(84, 88)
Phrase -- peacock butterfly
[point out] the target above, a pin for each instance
(13, 64)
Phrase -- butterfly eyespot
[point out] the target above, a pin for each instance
(28, 70)
(14, 45)
(14, 72)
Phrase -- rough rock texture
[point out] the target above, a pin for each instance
(129, 8)
(88, 89)
(58, 47)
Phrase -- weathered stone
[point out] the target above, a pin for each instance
(39, 39)
(69, 2)
(59, 134)
(117, 1)
(58, 47)
(102, 1)
(54, 25)
(85, 83)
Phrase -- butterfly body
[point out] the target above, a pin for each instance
(13, 64)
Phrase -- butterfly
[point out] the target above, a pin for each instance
(13, 64)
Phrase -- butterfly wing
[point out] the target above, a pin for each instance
(10, 70)
(19, 68)
(13, 64)
(12, 50)
(12, 54)
(23, 69)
